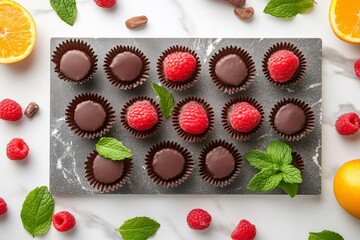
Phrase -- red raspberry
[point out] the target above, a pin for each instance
(244, 117)
(193, 119)
(348, 124)
(105, 3)
(198, 219)
(357, 68)
(3, 206)
(179, 66)
(63, 221)
(17, 149)
(10, 110)
(142, 116)
(282, 65)
(244, 231)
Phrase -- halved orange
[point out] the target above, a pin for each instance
(17, 32)
(344, 18)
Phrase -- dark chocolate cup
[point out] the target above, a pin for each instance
(206, 176)
(74, 44)
(249, 62)
(106, 187)
(189, 164)
(310, 119)
(176, 114)
(225, 118)
(109, 120)
(298, 75)
(115, 81)
(180, 85)
(136, 133)
(298, 162)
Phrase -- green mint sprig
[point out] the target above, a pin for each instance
(276, 169)
(138, 228)
(167, 102)
(288, 8)
(325, 235)
(65, 9)
(113, 149)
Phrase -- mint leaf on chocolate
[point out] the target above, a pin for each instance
(325, 235)
(290, 188)
(167, 102)
(138, 228)
(37, 211)
(65, 9)
(266, 180)
(113, 149)
(291, 174)
(280, 152)
(259, 159)
(287, 8)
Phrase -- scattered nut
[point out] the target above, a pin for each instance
(244, 13)
(237, 3)
(31, 110)
(135, 22)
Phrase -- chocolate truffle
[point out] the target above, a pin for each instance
(75, 65)
(107, 171)
(231, 70)
(126, 66)
(220, 162)
(168, 163)
(89, 115)
(290, 119)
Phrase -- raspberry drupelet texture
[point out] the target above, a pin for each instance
(10, 110)
(3, 206)
(357, 68)
(17, 149)
(244, 117)
(142, 116)
(63, 221)
(105, 3)
(244, 231)
(348, 124)
(179, 66)
(282, 65)
(193, 119)
(198, 219)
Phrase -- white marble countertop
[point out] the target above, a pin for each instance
(276, 217)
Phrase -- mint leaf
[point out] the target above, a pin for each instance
(291, 174)
(65, 9)
(166, 99)
(280, 152)
(290, 188)
(112, 149)
(259, 159)
(325, 235)
(138, 228)
(287, 8)
(266, 180)
(37, 211)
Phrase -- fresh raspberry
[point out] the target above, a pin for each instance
(244, 231)
(105, 3)
(193, 119)
(3, 206)
(244, 117)
(348, 124)
(357, 68)
(17, 149)
(282, 65)
(63, 221)
(198, 219)
(10, 110)
(179, 66)
(142, 116)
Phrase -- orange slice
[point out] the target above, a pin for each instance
(17, 32)
(344, 18)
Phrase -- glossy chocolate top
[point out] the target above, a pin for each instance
(106, 170)
(231, 70)
(290, 119)
(168, 163)
(75, 65)
(126, 66)
(220, 162)
(89, 115)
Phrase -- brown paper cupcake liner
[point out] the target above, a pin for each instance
(176, 114)
(181, 85)
(225, 118)
(249, 62)
(206, 176)
(298, 75)
(136, 133)
(189, 164)
(310, 119)
(298, 162)
(109, 120)
(74, 44)
(104, 187)
(115, 81)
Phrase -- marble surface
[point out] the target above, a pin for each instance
(276, 217)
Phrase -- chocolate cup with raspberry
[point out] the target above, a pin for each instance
(176, 119)
(137, 133)
(168, 164)
(232, 69)
(300, 72)
(292, 119)
(298, 162)
(107, 175)
(126, 67)
(67, 58)
(181, 85)
(219, 163)
(89, 115)
(242, 136)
